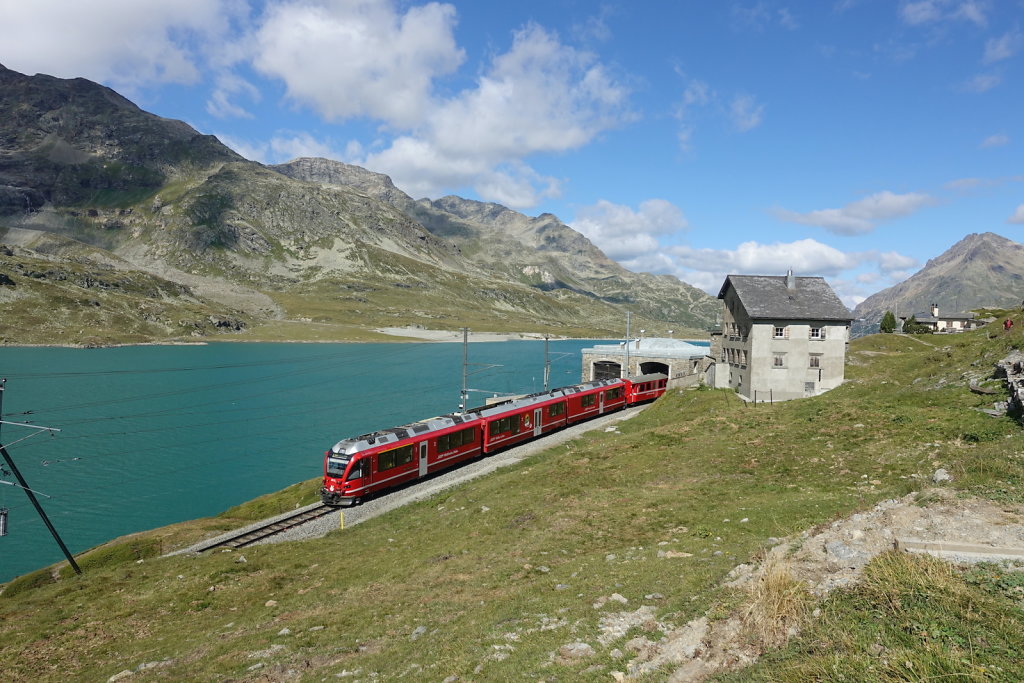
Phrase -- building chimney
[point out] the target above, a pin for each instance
(790, 279)
(935, 310)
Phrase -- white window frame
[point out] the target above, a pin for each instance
(814, 362)
(780, 332)
(817, 333)
(779, 360)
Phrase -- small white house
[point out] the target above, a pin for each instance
(949, 322)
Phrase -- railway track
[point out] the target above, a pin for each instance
(253, 535)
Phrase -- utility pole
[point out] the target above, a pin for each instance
(547, 363)
(28, 491)
(625, 370)
(465, 369)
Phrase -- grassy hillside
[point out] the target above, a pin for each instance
(505, 578)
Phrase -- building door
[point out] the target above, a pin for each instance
(808, 388)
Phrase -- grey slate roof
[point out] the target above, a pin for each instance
(767, 297)
(927, 317)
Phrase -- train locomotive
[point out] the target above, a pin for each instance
(357, 467)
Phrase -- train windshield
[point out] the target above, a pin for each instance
(336, 466)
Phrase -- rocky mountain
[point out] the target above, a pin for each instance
(980, 271)
(541, 252)
(86, 176)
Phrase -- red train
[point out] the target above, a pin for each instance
(363, 465)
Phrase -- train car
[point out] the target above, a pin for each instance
(642, 388)
(587, 401)
(360, 466)
(521, 419)
(357, 467)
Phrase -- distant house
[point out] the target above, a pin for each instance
(950, 322)
(782, 337)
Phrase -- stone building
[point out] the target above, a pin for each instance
(782, 337)
(682, 361)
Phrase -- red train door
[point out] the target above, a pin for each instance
(423, 458)
(537, 421)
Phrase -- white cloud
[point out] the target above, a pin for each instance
(228, 86)
(283, 147)
(124, 43)
(696, 94)
(982, 83)
(627, 234)
(969, 184)
(861, 216)
(516, 184)
(919, 12)
(540, 96)
(998, 140)
(707, 268)
(891, 262)
(746, 113)
(292, 146)
(358, 58)
(760, 16)
(1003, 47)
(1018, 216)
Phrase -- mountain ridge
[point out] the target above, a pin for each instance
(982, 270)
(541, 251)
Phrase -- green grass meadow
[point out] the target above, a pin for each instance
(489, 580)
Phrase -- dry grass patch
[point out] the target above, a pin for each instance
(779, 604)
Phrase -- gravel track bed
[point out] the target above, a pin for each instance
(425, 489)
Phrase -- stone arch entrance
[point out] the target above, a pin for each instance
(652, 367)
(606, 369)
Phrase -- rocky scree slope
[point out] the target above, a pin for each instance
(541, 252)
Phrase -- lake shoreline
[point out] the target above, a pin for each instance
(397, 334)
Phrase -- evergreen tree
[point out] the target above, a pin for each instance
(888, 324)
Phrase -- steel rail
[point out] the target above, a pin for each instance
(256, 534)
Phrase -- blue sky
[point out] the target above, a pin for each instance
(853, 139)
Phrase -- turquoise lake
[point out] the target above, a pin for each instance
(152, 435)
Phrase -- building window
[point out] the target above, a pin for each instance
(817, 333)
(815, 361)
(779, 360)
(780, 333)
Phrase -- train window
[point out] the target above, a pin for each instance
(455, 439)
(359, 470)
(556, 409)
(336, 466)
(394, 458)
(613, 393)
(588, 400)
(506, 424)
